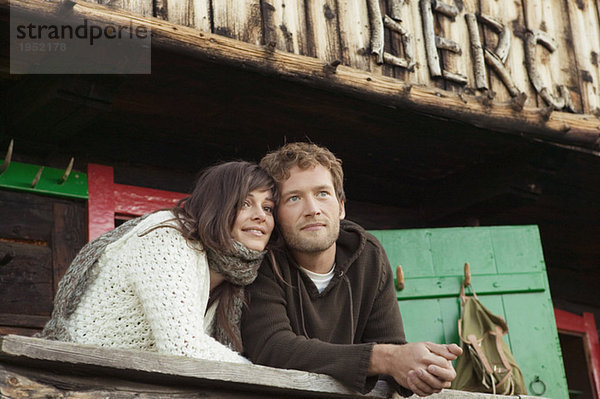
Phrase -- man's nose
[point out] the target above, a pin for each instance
(312, 207)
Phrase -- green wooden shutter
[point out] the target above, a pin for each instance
(508, 274)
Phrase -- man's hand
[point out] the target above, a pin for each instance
(423, 367)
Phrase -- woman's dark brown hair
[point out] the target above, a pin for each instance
(209, 213)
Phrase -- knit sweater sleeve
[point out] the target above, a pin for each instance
(172, 282)
(269, 339)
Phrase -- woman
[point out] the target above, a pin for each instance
(172, 280)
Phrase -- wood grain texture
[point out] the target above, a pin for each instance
(285, 24)
(193, 13)
(239, 20)
(323, 30)
(510, 14)
(144, 8)
(585, 31)
(553, 67)
(26, 280)
(575, 131)
(34, 368)
(245, 377)
(456, 29)
(355, 35)
(68, 236)
(412, 21)
(21, 320)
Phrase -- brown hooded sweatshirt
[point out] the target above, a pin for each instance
(289, 324)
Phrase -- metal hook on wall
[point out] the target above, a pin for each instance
(7, 158)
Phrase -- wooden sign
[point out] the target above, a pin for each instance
(529, 53)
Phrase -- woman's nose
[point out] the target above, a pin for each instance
(259, 214)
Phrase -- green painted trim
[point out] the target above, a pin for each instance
(18, 176)
(437, 287)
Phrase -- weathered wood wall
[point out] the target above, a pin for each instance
(533, 53)
(39, 236)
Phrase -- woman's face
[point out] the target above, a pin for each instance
(254, 222)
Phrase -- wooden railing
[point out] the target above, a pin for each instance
(36, 368)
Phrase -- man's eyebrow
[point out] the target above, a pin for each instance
(317, 188)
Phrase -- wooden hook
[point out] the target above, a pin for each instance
(65, 176)
(467, 280)
(399, 278)
(7, 158)
(331, 67)
(36, 179)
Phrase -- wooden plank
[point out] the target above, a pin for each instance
(25, 216)
(23, 320)
(355, 34)
(413, 22)
(578, 132)
(585, 32)
(144, 8)
(285, 25)
(417, 314)
(246, 377)
(537, 334)
(25, 279)
(518, 249)
(193, 13)
(21, 382)
(554, 67)
(412, 247)
(456, 29)
(322, 30)
(496, 284)
(68, 236)
(27, 332)
(239, 20)
(510, 15)
(24, 375)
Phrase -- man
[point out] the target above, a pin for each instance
(325, 302)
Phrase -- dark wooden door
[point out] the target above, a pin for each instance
(39, 236)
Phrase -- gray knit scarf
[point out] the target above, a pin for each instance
(239, 266)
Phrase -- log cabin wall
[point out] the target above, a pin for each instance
(530, 53)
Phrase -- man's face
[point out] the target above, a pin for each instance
(309, 212)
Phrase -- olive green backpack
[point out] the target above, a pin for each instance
(487, 365)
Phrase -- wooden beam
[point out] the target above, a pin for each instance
(36, 368)
(158, 368)
(575, 131)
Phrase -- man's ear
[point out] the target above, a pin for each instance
(342, 210)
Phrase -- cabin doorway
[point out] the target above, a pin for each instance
(581, 353)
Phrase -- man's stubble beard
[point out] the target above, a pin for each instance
(311, 245)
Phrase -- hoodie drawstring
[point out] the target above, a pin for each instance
(300, 301)
(351, 305)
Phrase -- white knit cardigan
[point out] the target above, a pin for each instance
(151, 293)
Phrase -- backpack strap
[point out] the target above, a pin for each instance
(499, 333)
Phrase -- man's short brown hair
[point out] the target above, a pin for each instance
(304, 155)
